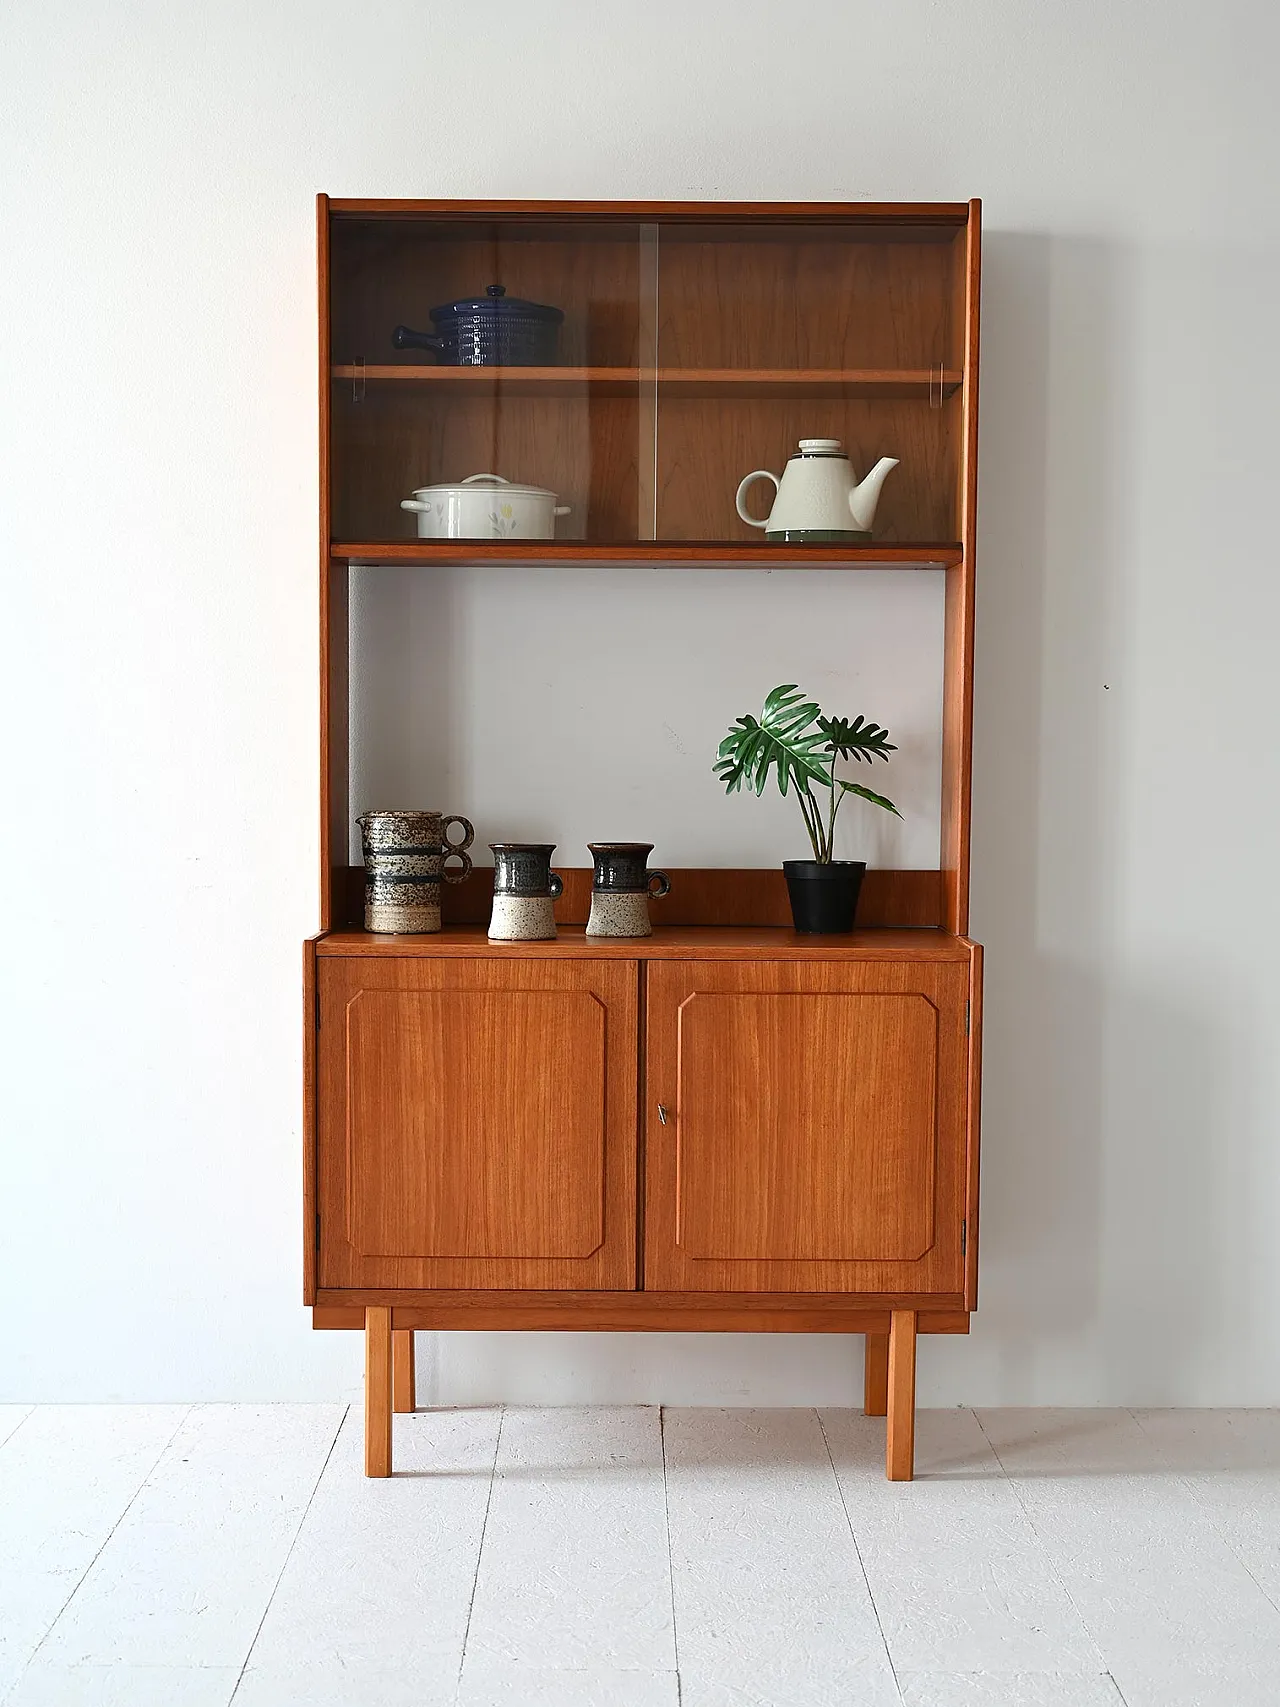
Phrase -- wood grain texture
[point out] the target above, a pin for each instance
(807, 1126)
(310, 1240)
(823, 298)
(377, 1391)
(900, 1428)
(706, 444)
(477, 1123)
(639, 1312)
(875, 1375)
(957, 700)
(581, 445)
(668, 942)
(974, 1122)
(816, 1126)
(908, 900)
(623, 381)
(403, 1375)
(726, 554)
(581, 442)
(329, 856)
(888, 214)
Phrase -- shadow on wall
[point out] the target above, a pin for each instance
(1095, 1094)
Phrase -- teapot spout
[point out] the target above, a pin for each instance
(866, 495)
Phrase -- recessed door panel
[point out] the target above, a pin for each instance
(814, 1132)
(466, 1112)
(477, 1123)
(821, 1147)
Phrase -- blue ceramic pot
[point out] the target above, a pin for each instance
(494, 330)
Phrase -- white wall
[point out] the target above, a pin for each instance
(157, 535)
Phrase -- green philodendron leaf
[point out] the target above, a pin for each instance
(857, 740)
(785, 740)
(866, 794)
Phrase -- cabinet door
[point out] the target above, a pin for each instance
(477, 1123)
(815, 1127)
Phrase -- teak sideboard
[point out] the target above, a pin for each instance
(725, 1126)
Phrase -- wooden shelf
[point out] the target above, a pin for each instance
(736, 554)
(668, 942)
(693, 382)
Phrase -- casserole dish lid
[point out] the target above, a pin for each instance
(492, 484)
(495, 301)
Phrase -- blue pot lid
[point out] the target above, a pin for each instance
(496, 301)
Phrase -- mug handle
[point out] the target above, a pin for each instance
(760, 474)
(464, 870)
(664, 884)
(457, 847)
(556, 886)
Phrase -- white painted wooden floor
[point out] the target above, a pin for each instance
(157, 1556)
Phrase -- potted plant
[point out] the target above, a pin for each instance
(800, 746)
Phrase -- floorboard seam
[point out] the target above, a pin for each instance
(284, 1563)
(83, 1577)
(1050, 1554)
(1203, 1506)
(484, 1525)
(25, 1417)
(671, 1569)
(844, 1506)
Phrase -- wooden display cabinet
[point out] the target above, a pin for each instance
(724, 1126)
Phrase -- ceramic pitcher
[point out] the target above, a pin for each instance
(404, 855)
(621, 887)
(525, 890)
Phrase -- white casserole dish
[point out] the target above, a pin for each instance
(485, 506)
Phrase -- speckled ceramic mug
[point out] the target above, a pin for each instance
(525, 891)
(621, 887)
(404, 855)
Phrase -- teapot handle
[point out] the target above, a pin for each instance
(760, 474)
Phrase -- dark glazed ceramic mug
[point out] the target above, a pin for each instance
(621, 887)
(525, 890)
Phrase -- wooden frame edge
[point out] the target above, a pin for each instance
(310, 1155)
(639, 1312)
(973, 1097)
(708, 213)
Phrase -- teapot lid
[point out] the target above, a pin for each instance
(821, 447)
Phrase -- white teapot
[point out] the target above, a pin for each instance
(818, 497)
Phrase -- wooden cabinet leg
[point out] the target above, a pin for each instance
(900, 1430)
(404, 1396)
(377, 1391)
(875, 1376)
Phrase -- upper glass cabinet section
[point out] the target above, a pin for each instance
(637, 369)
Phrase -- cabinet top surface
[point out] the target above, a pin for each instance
(668, 942)
(943, 213)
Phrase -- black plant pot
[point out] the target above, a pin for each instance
(824, 897)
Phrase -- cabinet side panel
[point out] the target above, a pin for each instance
(974, 1126)
(309, 1011)
(957, 703)
(333, 615)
